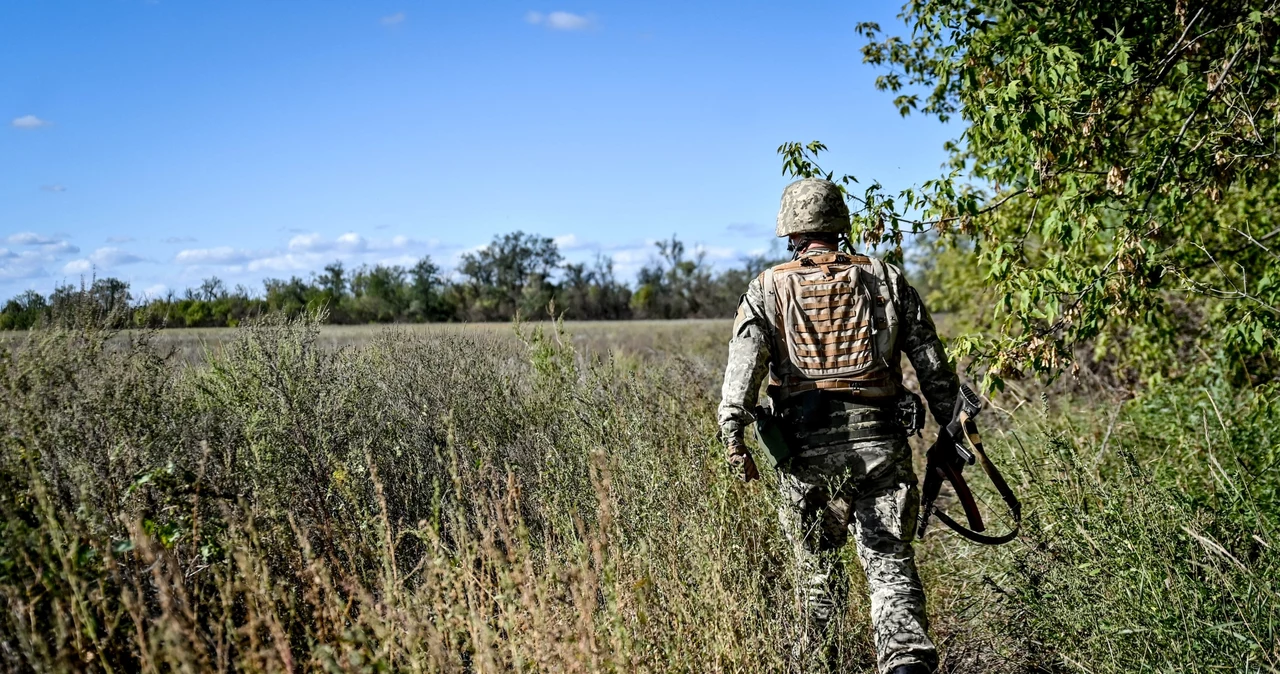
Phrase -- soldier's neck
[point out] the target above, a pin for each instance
(818, 247)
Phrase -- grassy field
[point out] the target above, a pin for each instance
(288, 497)
(631, 338)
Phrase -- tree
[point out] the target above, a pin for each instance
(501, 271)
(212, 289)
(333, 280)
(288, 297)
(426, 292)
(380, 293)
(24, 311)
(676, 286)
(1115, 175)
(592, 293)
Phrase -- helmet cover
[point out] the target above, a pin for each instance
(812, 205)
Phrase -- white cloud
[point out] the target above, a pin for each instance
(45, 248)
(393, 19)
(572, 243)
(30, 239)
(223, 255)
(716, 253)
(58, 248)
(309, 243)
(30, 122)
(155, 291)
(406, 261)
(352, 242)
(303, 254)
(102, 258)
(120, 239)
(27, 264)
(566, 241)
(113, 257)
(560, 20)
(568, 21)
(53, 188)
(286, 262)
(77, 267)
(632, 256)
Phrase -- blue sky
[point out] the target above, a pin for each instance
(165, 141)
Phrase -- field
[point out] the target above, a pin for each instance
(703, 337)
(290, 497)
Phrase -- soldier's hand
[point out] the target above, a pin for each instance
(739, 458)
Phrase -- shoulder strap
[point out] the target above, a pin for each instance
(788, 266)
(770, 288)
(887, 291)
(821, 259)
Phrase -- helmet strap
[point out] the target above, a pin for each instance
(798, 246)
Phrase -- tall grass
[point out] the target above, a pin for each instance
(472, 502)
(1160, 553)
(457, 503)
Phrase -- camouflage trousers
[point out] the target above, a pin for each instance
(866, 489)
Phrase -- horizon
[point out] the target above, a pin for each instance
(164, 144)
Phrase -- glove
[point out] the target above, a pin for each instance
(740, 461)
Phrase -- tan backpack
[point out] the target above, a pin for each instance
(835, 326)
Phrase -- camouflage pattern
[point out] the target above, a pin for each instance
(812, 205)
(851, 476)
(749, 358)
(748, 365)
(865, 490)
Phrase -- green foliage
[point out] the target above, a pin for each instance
(515, 275)
(1116, 173)
(23, 312)
(1162, 550)
(676, 285)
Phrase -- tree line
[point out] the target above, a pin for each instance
(517, 274)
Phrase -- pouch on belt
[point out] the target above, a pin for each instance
(773, 436)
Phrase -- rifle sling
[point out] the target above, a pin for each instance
(962, 488)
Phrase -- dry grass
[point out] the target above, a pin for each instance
(702, 337)
(461, 498)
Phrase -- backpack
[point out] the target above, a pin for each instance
(835, 323)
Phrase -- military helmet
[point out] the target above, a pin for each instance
(812, 205)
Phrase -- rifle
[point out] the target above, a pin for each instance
(945, 461)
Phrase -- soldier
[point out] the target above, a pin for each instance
(829, 329)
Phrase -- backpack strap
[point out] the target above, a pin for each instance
(886, 289)
(770, 287)
(886, 299)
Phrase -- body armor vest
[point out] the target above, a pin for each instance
(835, 326)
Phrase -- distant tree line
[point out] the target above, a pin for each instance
(516, 274)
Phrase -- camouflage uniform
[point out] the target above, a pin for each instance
(851, 474)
